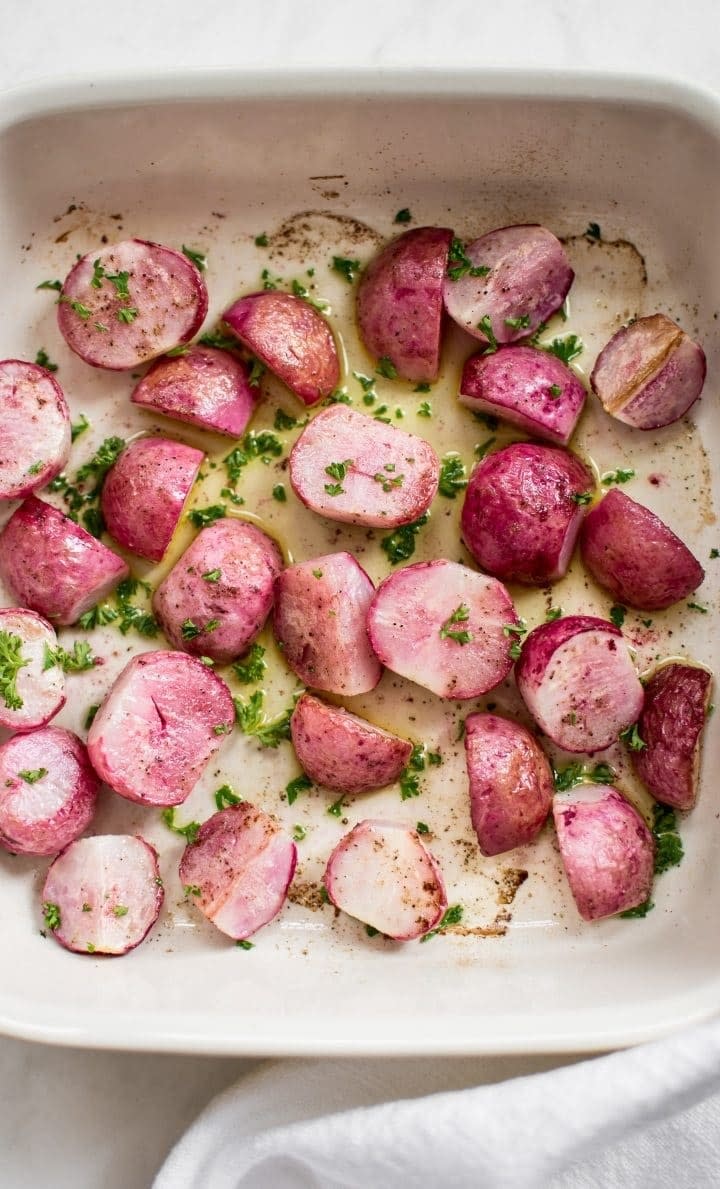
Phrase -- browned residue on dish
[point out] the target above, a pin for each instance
(496, 928)
(307, 895)
(624, 246)
(308, 232)
(511, 878)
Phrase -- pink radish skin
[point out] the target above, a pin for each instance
(410, 618)
(291, 339)
(529, 279)
(35, 442)
(381, 874)
(400, 303)
(41, 690)
(42, 815)
(650, 373)
(520, 519)
(235, 605)
(205, 387)
(391, 477)
(53, 566)
(529, 388)
(673, 718)
(633, 554)
(320, 611)
(606, 848)
(579, 683)
(242, 863)
(159, 726)
(145, 492)
(108, 892)
(343, 752)
(511, 783)
(165, 288)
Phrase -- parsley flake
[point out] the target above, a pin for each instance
(199, 259)
(631, 736)
(226, 796)
(299, 785)
(460, 264)
(566, 349)
(252, 666)
(189, 831)
(32, 775)
(461, 614)
(399, 545)
(403, 215)
(42, 359)
(452, 916)
(348, 269)
(453, 476)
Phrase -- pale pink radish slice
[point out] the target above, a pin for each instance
(633, 554)
(103, 894)
(319, 620)
(38, 693)
(527, 387)
(54, 566)
(343, 752)
(350, 467)
(522, 512)
(400, 305)
(445, 627)
(381, 874)
(159, 726)
(239, 869)
(578, 681)
(677, 697)
(606, 848)
(511, 783)
(126, 303)
(204, 386)
(48, 791)
(35, 440)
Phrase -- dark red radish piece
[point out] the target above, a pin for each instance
(126, 303)
(606, 848)
(217, 597)
(528, 280)
(400, 302)
(319, 620)
(239, 869)
(650, 373)
(292, 340)
(527, 387)
(578, 681)
(633, 554)
(511, 783)
(522, 512)
(105, 893)
(205, 387)
(381, 874)
(350, 467)
(39, 692)
(343, 752)
(145, 491)
(159, 726)
(53, 566)
(48, 791)
(677, 698)
(35, 440)
(444, 626)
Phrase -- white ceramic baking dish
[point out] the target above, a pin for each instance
(211, 161)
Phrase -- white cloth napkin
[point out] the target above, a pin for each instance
(646, 1117)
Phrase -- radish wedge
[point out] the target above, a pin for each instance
(527, 387)
(48, 791)
(511, 783)
(38, 692)
(145, 491)
(204, 386)
(677, 698)
(35, 442)
(343, 752)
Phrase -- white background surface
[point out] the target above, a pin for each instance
(89, 1119)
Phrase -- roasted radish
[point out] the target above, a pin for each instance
(677, 697)
(511, 783)
(203, 386)
(145, 492)
(342, 751)
(48, 791)
(530, 388)
(35, 440)
(31, 692)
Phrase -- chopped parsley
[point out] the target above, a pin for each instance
(422, 828)
(218, 338)
(449, 632)
(592, 231)
(35, 468)
(252, 666)
(257, 371)
(555, 391)
(51, 915)
(279, 493)
(98, 466)
(386, 367)
(32, 775)
(189, 831)
(317, 573)
(192, 889)
(79, 427)
(460, 264)
(199, 259)
(452, 916)
(714, 553)
(78, 661)
(668, 843)
(403, 215)
(203, 516)
(581, 497)
(42, 359)
(261, 241)
(335, 810)
(50, 285)
(220, 728)
(189, 630)
(226, 796)
(120, 910)
(621, 475)
(515, 632)
(283, 420)
(98, 616)
(697, 607)
(299, 833)
(299, 785)
(245, 944)
(617, 614)
(388, 481)
(631, 736)
(399, 545)
(553, 613)
(212, 576)
(90, 716)
(424, 409)
(301, 291)
(522, 322)
(127, 314)
(263, 445)
(578, 773)
(640, 911)
(485, 325)
(348, 269)
(482, 448)
(453, 476)
(566, 349)
(422, 387)
(252, 721)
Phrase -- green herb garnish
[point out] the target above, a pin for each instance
(32, 775)
(199, 259)
(453, 916)
(449, 632)
(252, 667)
(403, 216)
(189, 831)
(617, 614)
(203, 516)
(386, 367)
(299, 785)
(51, 915)
(460, 264)
(631, 737)
(346, 268)
(225, 796)
(566, 349)
(485, 325)
(42, 359)
(621, 475)
(78, 661)
(399, 545)
(79, 427)
(453, 476)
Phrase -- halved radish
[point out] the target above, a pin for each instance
(204, 386)
(239, 869)
(37, 693)
(677, 697)
(530, 388)
(342, 751)
(35, 441)
(511, 783)
(48, 791)
(381, 874)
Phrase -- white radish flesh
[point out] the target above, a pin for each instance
(35, 441)
(48, 791)
(38, 692)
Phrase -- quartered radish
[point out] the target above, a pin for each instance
(677, 698)
(48, 791)
(633, 554)
(511, 782)
(159, 726)
(522, 512)
(351, 467)
(217, 597)
(444, 626)
(127, 303)
(319, 620)
(35, 441)
(381, 874)
(343, 752)
(293, 341)
(530, 388)
(54, 566)
(31, 694)
(578, 681)
(103, 894)
(204, 386)
(400, 304)
(144, 493)
(606, 848)
(239, 869)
